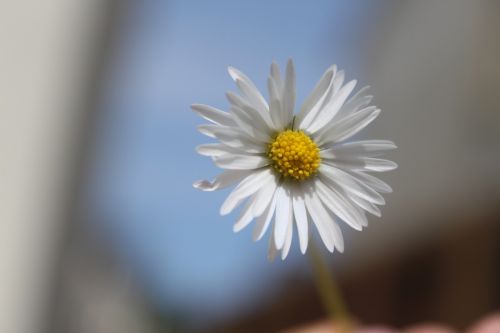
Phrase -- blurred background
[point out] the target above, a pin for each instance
(101, 230)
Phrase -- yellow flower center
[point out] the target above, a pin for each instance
(294, 155)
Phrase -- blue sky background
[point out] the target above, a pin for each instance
(173, 54)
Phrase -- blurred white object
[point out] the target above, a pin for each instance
(44, 63)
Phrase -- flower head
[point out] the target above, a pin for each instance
(296, 168)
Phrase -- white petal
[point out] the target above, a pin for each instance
(348, 200)
(283, 211)
(237, 75)
(275, 74)
(372, 181)
(363, 148)
(239, 102)
(253, 97)
(330, 110)
(264, 220)
(314, 113)
(318, 91)
(235, 100)
(212, 114)
(264, 196)
(276, 115)
(362, 164)
(308, 118)
(252, 209)
(361, 93)
(334, 201)
(240, 162)
(288, 239)
(350, 184)
(223, 180)
(347, 127)
(248, 186)
(339, 239)
(275, 105)
(338, 80)
(288, 101)
(216, 149)
(300, 214)
(252, 123)
(246, 215)
(208, 130)
(379, 164)
(355, 103)
(273, 251)
(357, 203)
(321, 219)
(235, 138)
(366, 205)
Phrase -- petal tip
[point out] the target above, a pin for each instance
(200, 184)
(233, 72)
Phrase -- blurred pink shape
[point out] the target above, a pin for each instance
(328, 327)
(376, 329)
(490, 324)
(429, 328)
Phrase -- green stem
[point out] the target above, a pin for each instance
(329, 290)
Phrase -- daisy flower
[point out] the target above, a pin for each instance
(296, 168)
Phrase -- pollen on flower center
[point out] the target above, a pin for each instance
(294, 155)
